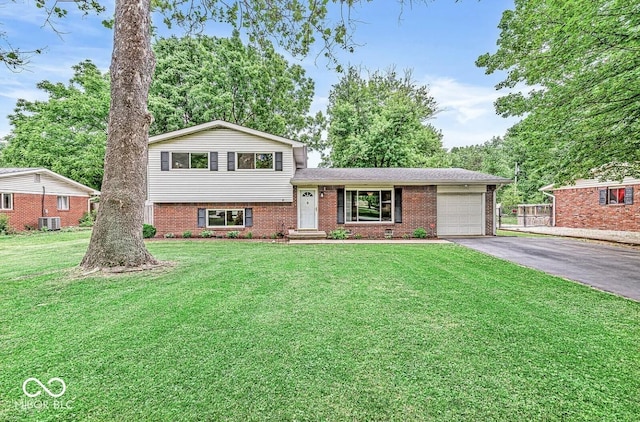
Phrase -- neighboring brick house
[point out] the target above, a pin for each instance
(591, 204)
(223, 177)
(27, 194)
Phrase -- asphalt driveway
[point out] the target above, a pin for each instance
(610, 268)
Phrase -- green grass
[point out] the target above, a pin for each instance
(261, 331)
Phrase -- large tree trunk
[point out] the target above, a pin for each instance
(117, 234)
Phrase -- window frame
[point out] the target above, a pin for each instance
(171, 161)
(6, 195)
(348, 205)
(255, 160)
(225, 211)
(66, 203)
(618, 200)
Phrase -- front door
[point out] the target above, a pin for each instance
(307, 209)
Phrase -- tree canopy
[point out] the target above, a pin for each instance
(380, 121)
(581, 61)
(67, 132)
(199, 79)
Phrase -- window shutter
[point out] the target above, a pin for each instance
(248, 217)
(340, 206)
(628, 195)
(603, 196)
(231, 161)
(164, 161)
(397, 218)
(213, 161)
(202, 217)
(278, 161)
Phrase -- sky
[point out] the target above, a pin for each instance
(438, 42)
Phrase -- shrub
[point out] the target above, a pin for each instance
(148, 231)
(249, 235)
(338, 234)
(357, 236)
(5, 228)
(169, 235)
(87, 219)
(186, 234)
(206, 233)
(233, 234)
(420, 233)
(406, 236)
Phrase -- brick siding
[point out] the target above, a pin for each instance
(579, 208)
(27, 208)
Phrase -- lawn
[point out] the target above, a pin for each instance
(270, 331)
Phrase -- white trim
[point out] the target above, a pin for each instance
(220, 124)
(372, 188)
(2, 201)
(315, 196)
(206, 216)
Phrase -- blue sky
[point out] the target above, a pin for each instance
(439, 42)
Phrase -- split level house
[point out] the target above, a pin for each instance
(34, 198)
(598, 205)
(223, 177)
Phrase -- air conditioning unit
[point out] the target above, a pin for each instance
(50, 223)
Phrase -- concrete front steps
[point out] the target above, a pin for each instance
(306, 234)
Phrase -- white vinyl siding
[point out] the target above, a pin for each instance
(25, 183)
(221, 185)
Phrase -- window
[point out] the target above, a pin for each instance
(225, 218)
(255, 160)
(616, 196)
(63, 203)
(6, 201)
(368, 205)
(189, 160)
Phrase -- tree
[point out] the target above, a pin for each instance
(582, 60)
(199, 79)
(380, 122)
(66, 133)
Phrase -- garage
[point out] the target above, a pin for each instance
(460, 214)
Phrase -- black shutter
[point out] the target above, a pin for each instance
(164, 161)
(248, 217)
(628, 195)
(603, 196)
(202, 217)
(278, 161)
(340, 209)
(397, 218)
(213, 161)
(231, 161)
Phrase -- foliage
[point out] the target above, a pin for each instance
(67, 132)
(186, 234)
(206, 233)
(234, 234)
(379, 121)
(200, 79)
(361, 332)
(5, 228)
(88, 218)
(169, 235)
(420, 233)
(148, 231)
(339, 234)
(582, 62)
(249, 235)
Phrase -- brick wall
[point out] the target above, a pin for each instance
(418, 210)
(268, 218)
(579, 208)
(489, 211)
(27, 208)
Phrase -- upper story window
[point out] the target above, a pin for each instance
(6, 201)
(255, 160)
(63, 203)
(189, 160)
(370, 205)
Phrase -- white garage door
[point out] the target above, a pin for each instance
(460, 214)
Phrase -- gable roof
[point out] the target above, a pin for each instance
(592, 183)
(221, 124)
(399, 176)
(7, 172)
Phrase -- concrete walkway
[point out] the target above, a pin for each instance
(369, 241)
(631, 238)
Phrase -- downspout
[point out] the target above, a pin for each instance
(553, 208)
(43, 196)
